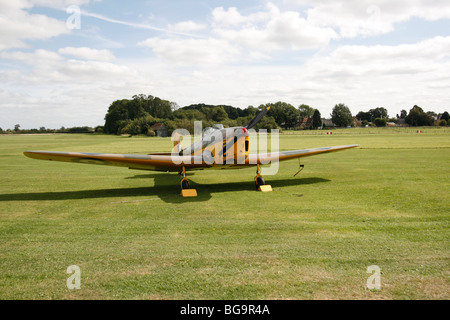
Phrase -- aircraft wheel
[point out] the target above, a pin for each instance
(259, 182)
(185, 184)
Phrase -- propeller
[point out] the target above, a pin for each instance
(257, 118)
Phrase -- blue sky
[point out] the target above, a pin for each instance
(364, 53)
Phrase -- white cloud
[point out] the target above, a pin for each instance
(230, 17)
(255, 56)
(186, 27)
(351, 18)
(55, 91)
(52, 68)
(136, 25)
(17, 25)
(93, 71)
(36, 58)
(60, 3)
(192, 52)
(87, 53)
(239, 38)
(270, 30)
(433, 49)
(233, 18)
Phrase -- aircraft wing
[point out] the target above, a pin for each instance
(265, 158)
(154, 162)
(170, 162)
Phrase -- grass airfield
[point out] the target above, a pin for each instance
(133, 237)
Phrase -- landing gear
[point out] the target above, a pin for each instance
(185, 184)
(259, 181)
(186, 190)
(260, 184)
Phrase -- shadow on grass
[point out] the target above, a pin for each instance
(167, 188)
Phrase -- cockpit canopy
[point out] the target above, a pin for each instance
(215, 134)
(209, 130)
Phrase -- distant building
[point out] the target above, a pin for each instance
(402, 123)
(356, 122)
(391, 124)
(160, 130)
(305, 122)
(328, 123)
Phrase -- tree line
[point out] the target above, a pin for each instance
(416, 117)
(83, 129)
(139, 114)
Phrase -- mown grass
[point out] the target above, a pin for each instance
(385, 203)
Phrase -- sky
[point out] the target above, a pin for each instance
(63, 62)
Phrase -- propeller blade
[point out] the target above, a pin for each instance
(257, 118)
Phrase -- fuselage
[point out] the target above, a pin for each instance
(221, 146)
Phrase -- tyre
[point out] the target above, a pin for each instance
(259, 182)
(185, 184)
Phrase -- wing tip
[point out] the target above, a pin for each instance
(32, 154)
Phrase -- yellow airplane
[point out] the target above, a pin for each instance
(219, 148)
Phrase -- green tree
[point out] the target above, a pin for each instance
(417, 117)
(381, 113)
(17, 128)
(154, 106)
(364, 116)
(219, 114)
(189, 114)
(372, 114)
(233, 113)
(140, 106)
(285, 115)
(341, 115)
(432, 114)
(445, 116)
(379, 122)
(208, 112)
(291, 115)
(317, 120)
(305, 111)
(403, 114)
(117, 112)
(161, 109)
(267, 123)
(174, 106)
(250, 111)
